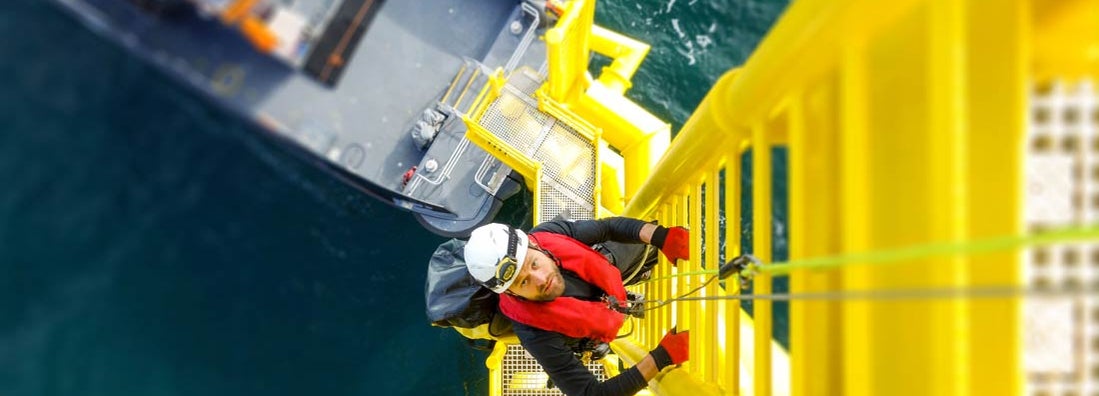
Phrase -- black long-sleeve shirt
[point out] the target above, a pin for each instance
(554, 351)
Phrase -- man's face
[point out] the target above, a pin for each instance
(540, 279)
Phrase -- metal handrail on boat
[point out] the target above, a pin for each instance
(483, 170)
(444, 173)
(528, 38)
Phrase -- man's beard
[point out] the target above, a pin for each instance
(556, 290)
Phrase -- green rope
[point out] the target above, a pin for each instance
(1067, 234)
(972, 247)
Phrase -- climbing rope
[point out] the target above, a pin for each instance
(986, 245)
(893, 256)
(747, 266)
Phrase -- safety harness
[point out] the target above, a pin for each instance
(567, 315)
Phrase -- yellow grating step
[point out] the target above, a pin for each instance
(523, 376)
(567, 157)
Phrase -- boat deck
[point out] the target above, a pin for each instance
(357, 126)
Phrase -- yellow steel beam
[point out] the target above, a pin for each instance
(887, 148)
(640, 136)
(495, 362)
(626, 55)
(856, 362)
(704, 136)
(681, 313)
(809, 35)
(761, 248)
(568, 45)
(802, 341)
(611, 189)
(729, 326)
(698, 352)
(710, 313)
(1064, 41)
(815, 229)
(998, 38)
(947, 197)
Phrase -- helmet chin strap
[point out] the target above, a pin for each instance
(513, 294)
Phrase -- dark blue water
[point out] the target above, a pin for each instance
(151, 244)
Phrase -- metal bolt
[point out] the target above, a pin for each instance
(431, 165)
(516, 27)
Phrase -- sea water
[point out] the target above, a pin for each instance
(153, 244)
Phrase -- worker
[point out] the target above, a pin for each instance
(564, 298)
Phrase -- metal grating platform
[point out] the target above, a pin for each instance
(1061, 333)
(567, 158)
(523, 376)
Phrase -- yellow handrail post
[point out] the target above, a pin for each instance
(568, 45)
(693, 265)
(999, 40)
(729, 310)
(626, 54)
(803, 345)
(708, 309)
(494, 361)
(949, 196)
(761, 248)
(681, 314)
(856, 366)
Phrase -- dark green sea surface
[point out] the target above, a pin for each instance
(153, 244)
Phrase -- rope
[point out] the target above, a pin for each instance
(985, 292)
(987, 245)
(1067, 234)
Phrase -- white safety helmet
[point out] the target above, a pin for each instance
(494, 255)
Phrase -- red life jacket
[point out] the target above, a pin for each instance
(566, 315)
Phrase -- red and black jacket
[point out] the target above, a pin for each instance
(555, 350)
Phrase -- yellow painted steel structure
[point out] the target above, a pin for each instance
(595, 107)
(641, 137)
(903, 123)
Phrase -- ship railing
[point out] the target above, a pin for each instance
(466, 78)
(528, 37)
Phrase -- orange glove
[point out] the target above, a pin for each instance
(673, 242)
(673, 349)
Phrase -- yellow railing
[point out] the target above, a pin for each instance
(904, 124)
(596, 108)
(640, 136)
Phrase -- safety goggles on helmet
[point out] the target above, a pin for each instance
(508, 265)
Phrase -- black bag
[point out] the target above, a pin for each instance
(454, 298)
